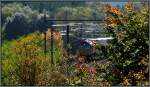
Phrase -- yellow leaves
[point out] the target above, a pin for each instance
(27, 59)
(145, 9)
(139, 76)
(27, 46)
(145, 60)
(78, 81)
(129, 7)
(29, 39)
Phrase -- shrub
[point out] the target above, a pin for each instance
(24, 62)
(129, 50)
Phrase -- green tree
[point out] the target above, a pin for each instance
(129, 51)
(19, 18)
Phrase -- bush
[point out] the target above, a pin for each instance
(129, 50)
(24, 62)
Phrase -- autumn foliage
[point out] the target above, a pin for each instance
(24, 62)
(129, 50)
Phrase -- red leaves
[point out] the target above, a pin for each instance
(93, 70)
(77, 65)
(85, 67)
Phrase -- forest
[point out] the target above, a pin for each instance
(35, 53)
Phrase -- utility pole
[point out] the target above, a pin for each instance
(81, 31)
(67, 34)
(68, 46)
(44, 25)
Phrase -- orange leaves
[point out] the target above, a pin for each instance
(110, 9)
(56, 36)
(126, 82)
(29, 61)
(41, 82)
(112, 20)
(116, 11)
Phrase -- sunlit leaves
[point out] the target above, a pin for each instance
(24, 61)
(113, 10)
(130, 50)
(129, 7)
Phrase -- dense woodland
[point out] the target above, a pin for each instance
(28, 16)
(24, 62)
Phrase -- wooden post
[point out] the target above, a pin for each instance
(45, 44)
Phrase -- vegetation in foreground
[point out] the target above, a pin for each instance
(24, 63)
